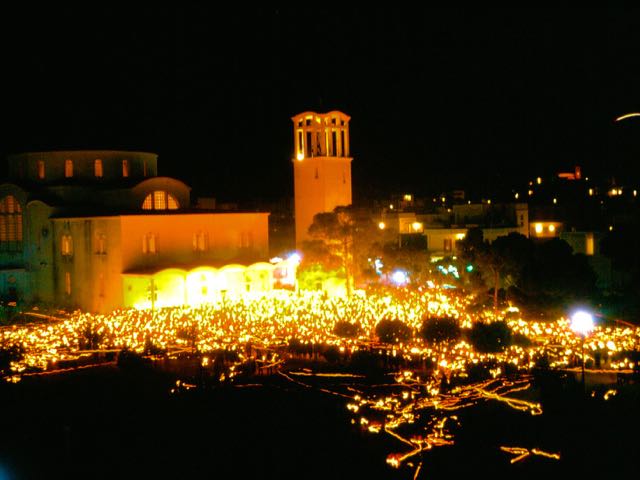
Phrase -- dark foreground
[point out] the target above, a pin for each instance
(110, 423)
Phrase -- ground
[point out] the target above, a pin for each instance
(113, 423)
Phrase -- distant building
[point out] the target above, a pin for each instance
(321, 166)
(100, 230)
(445, 227)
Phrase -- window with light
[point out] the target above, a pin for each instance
(160, 200)
(10, 223)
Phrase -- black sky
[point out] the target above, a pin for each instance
(438, 98)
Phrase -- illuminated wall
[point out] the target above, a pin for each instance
(544, 229)
(227, 238)
(443, 240)
(322, 166)
(193, 287)
(90, 276)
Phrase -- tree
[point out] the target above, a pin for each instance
(440, 330)
(393, 331)
(412, 257)
(558, 275)
(341, 239)
(501, 261)
(490, 337)
(346, 329)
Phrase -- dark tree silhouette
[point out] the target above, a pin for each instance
(440, 330)
(490, 337)
(392, 331)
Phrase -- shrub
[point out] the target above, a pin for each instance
(331, 354)
(392, 331)
(346, 329)
(129, 359)
(440, 330)
(490, 337)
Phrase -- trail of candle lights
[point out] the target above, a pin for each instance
(420, 413)
(270, 322)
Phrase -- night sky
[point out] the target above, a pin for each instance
(439, 99)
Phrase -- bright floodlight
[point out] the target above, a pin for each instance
(582, 322)
(294, 258)
(399, 277)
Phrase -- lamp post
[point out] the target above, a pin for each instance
(582, 324)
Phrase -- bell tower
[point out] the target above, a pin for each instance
(321, 166)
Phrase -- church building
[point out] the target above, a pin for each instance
(100, 230)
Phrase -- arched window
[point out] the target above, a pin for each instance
(10, 223)
(160, 200)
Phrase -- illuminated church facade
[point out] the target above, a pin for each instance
(100, 230)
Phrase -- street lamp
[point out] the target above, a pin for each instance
(582, 324)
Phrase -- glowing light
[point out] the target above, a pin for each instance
(538, 228)
(552, 228)
(522, 453)
(591, 192)
(627, 115)
(582, 322)
(516, 196)
(408, 197)
(382, 225)
(400, 277)
(417, 226)
(460, 236)
(538, 180)
(294, 258)
(555, 201)
(300, 156)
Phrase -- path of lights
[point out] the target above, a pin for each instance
(412, 410)
(418, 415)
(522, 453)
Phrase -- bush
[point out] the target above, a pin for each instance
(129, 359)
(346, 329)
(393, 331)
(331, 354)
(298, 348)
(490, 337)
(440, 330)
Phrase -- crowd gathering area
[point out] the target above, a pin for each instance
(430, 378)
